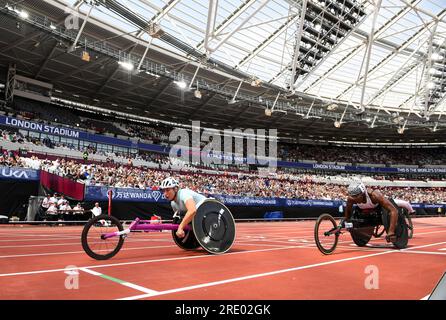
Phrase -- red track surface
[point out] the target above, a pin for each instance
(268, 261)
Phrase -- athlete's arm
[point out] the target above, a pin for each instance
(404, 204)
(377, 197)
(191, 210)
(349, 209)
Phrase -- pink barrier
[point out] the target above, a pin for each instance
(62, 185)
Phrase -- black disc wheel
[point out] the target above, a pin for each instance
(214, 227)
(409, 224)
(401, 229)
(189, 242)
(361, 236)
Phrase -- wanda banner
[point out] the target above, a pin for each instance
(69, 188)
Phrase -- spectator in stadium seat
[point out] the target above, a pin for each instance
(61, 201)
(44, 207)
(46, 202)
(78, 207)
(85, 156)
(78, 212)
(65, 205)
(54, 199)
(64, 209)
(97, 210)
(51, 213)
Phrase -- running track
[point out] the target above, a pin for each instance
(269, 260)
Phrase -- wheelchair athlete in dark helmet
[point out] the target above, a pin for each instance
(371, 205)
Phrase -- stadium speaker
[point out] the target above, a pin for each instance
(439, 292)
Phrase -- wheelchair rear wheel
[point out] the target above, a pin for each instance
(401, 230)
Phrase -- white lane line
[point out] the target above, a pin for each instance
(131, 240)
(165, 240)
(259, 275)
(145, 261)
(426, 252)
(52, 239)
(119, 281)
(42, 245)
(52, 235)
(78, 243)
(72, 237)
(156, 247)
(241, 234)
(265, 245)
(73, 252)
(343, 247)
(275, 237)
(139, 288)
(418, 234)
(69, 238)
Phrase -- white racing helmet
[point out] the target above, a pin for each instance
(169, 183)
(355, 188)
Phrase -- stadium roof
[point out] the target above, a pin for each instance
(245, 57)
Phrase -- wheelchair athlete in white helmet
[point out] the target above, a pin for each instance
(183, 202)
(368, 201)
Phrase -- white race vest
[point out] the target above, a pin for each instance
(368, 204)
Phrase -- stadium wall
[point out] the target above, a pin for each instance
(144, 210)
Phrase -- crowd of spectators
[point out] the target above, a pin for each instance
(164, 159)
(17, 137)
(56, 208)
(283, 185)
(409, 156)
(103, 175)
(159, 132)
(297, 189)
(12, 159)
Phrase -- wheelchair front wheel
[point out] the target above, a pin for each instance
(94, 244)
(326, 234)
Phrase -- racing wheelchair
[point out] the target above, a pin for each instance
(213, 229)
(363, 226)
